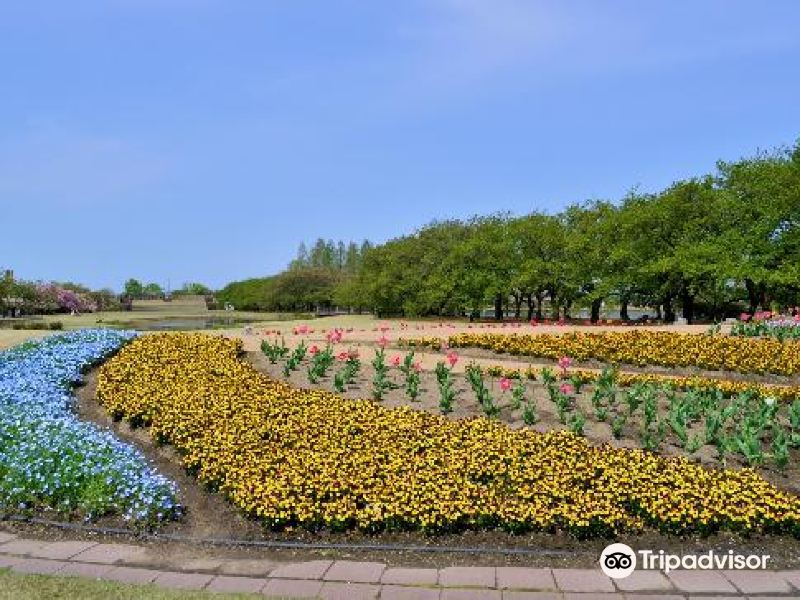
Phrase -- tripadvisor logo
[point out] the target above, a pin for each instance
(619, 561)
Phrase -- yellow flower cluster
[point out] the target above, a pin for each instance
(312, 458)
(728, 387)
(641, 347)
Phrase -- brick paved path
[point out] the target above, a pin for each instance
(352, 580)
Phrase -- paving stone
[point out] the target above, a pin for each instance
(147, 558)
(109, 554)
(582, 580)
(402, 592)
(593, 596)
(465, 594)
(758, 582)
(183, 581)
(793, 577)
(410, 576)
(62, 550)
(522, 578)
(292, 588)
(484, 577)
(312, 569)
(23, 547)
(236, 585)
(38, 565)
(247, 567)
(196, 564)
(335, 590)
(653, 597)
(92, 570)
(9, 561)
(355, 572)
(701, 582)
(131, 575)
(640, 581)
(6, 537)
(525, 595)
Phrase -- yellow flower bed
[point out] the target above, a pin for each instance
(728, 387)
(311, 458)
(638, 347)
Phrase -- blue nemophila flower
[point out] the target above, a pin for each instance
(51, 460)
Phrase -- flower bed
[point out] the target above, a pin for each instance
(308, 457)
(51, 461)
(728, 387)
(768, 325)
(662, 348)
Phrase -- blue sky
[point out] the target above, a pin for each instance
(203, 140)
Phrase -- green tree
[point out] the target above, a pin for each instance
(133, 287)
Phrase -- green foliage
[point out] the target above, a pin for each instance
(321, 361)
(447, 393)
(485, 400)
(274, 351)
(380, 381)
(295, 358)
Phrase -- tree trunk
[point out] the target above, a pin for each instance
(539, 298)
(658, 312)
(529, 300)
(567, 306)
(752, 295)
(554, 305)
(498, 307)
(687, 302)
(517, 305)
(623, 307)
(596, 304)
(669, 311)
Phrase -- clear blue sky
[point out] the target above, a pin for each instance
(203, 140)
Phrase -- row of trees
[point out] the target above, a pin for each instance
(311, 282)
(713, 245)
(136, 289)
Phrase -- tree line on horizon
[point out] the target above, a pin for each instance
(706, 246)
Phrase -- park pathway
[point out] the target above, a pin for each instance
(355, 580)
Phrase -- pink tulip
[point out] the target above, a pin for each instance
(564, 363)
(343, 356)
(396, 360)
(566, 388)
(505, 384)
(452, 358)
(744, 317)
(417, 367)
(313, 350)
(383, 341)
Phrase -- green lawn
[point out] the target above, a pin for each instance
(14, 586)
